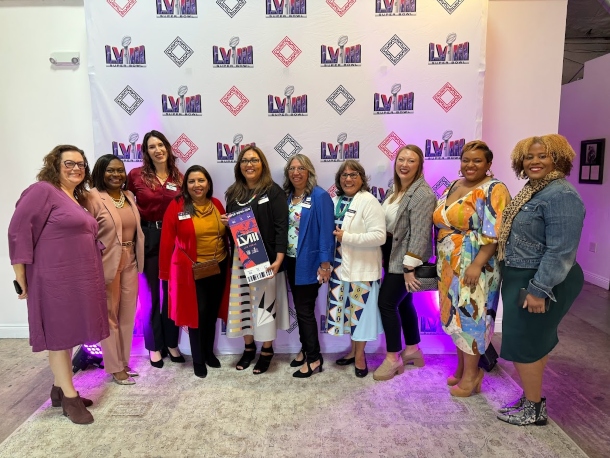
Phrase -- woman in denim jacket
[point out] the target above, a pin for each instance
(538, 241)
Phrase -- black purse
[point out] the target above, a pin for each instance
(426, 275)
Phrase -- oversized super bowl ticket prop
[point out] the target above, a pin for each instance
(251, 249)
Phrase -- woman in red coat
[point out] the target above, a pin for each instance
(192, 232)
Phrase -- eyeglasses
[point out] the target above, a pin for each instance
(249, 161)
(71, 165)
(353, 175)
(296, 169)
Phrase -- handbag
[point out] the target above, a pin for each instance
(426, 275)
(207, 268)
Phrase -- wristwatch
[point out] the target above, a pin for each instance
(408, 270)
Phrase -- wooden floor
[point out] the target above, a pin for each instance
(576, 382)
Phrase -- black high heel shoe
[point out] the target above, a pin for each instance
(200, 370)
(310, 371)
(346, 361)
(263, 362)
(360, 373)
(298, 362)
(157, 364)
(176, 359)
(247, 357)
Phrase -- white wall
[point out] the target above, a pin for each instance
(42, 107)
(585, 112)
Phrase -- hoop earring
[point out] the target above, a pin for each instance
(522, 175)
(460, 173)
(489, 173)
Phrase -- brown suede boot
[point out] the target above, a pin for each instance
(57, 394)
(76, 411)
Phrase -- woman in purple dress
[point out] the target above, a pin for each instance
(58, 265)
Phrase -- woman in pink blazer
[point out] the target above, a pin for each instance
(118, 218)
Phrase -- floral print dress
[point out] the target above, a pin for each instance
(463, 228)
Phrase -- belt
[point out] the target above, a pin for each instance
(127, 244)
(155, 224)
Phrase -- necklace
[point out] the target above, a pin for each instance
(346, 201)
(162, 180)
(246, 203)
(299, 197)
(120, 202)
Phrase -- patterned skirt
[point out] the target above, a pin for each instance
(352, 306)
(258, 309)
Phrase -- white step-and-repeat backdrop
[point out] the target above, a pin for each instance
(332, 79)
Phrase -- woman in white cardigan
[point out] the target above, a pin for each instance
(356, 272)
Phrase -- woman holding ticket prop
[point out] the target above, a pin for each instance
(538, 241)
(258, 219)
(354, 283)
(193, 233)
(155, 185)
(310, 250)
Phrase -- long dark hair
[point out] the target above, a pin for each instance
(51, 169)
(148, 167)
(99, 170)
(189, 207)
(239, 190)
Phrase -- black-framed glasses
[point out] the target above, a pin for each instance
(296, 169)
(253, 161)
(352, 175)
(70, 165)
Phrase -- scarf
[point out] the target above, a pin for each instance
(524, 196)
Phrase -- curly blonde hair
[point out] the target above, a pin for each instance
(554, 144)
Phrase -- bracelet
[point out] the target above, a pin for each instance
(408, 270)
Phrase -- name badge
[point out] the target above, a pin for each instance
(263, 199)
(351, 212)
(171, 186)
(306, 204)
(183, 215)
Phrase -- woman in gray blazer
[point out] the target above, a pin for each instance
(408, 213)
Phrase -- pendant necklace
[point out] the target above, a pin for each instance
(120, 202)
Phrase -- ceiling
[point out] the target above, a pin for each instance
(587, 35)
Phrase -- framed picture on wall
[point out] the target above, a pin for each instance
(592, 161)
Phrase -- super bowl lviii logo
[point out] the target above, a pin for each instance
(130, 151)
(125, 55)
(233, 56)
(289, 105)
(340, 150)
(228, 152)
(342, 55)
(395, 7)
(181, 105)
(444, 149)
(286, 8)
(176, 8)
(450, 53)
(394, 103)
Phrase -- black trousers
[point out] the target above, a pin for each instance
(160, 331)
(304, 298)
(209, 297)
(396, 308)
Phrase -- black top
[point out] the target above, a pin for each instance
(271, 217)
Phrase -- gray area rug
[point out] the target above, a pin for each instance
(172, 413)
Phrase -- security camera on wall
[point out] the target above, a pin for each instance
(65, 58)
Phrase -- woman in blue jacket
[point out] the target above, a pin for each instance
(311, 243)
(538, 241)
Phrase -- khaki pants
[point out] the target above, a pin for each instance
(121, 295)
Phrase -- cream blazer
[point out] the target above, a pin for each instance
(110, 231)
